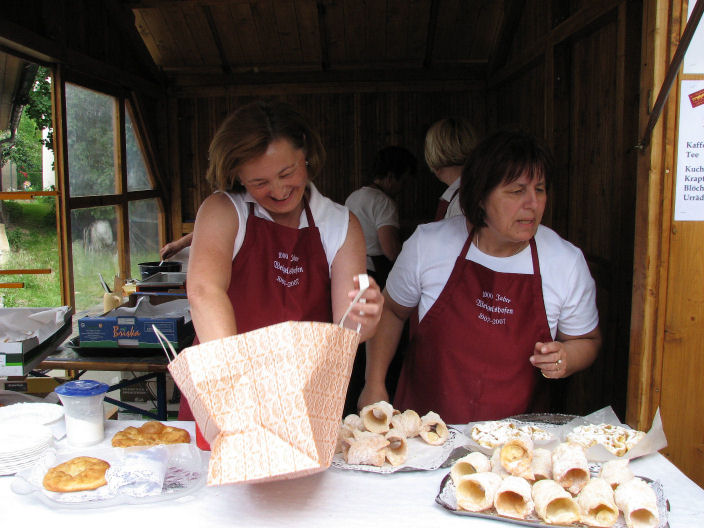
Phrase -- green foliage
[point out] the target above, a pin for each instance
(89, 123)
(38, 108)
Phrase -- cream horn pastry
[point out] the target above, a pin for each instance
(636, 499)
(344, 433)
(541, 464)
(496, 466)
(408, 421)
(367, 448)
(596, 503)
(569, 467)
(474, 462)
(353, 421)
(377, 417)
(476, 492)
(397, 450)
(616, 472)
(514, 498)
(553, 503)
(433, 429)
(516, 456)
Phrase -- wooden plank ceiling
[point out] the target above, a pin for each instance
(323, 38)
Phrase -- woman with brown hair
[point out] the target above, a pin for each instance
(267, 246)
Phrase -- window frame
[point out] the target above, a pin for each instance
(120, 199)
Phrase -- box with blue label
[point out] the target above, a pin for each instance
(130, 325)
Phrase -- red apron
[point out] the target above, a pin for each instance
(279, 274)
(443, 205)
(469, 357)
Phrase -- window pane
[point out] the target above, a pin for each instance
(28, 241)
(137, 179)
(94, 251)
(91, 141)
(144, 233)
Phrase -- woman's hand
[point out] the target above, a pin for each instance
(367, 311)
(170, 249)
(550, 359)
(567, 355)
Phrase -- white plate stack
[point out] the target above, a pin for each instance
(22, 444)
(27, 430)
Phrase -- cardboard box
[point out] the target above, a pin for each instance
(19, 357)
(110, 331)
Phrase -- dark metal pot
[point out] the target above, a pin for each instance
(147, 269)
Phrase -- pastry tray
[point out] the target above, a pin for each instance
(421, 456)
(187, 472)
(446, 499)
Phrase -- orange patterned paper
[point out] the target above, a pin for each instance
(269, 401)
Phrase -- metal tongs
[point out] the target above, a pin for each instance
(363, 286)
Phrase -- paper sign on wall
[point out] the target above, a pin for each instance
(689, 193)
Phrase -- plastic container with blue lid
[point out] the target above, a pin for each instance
(82, 388)
(83, 411)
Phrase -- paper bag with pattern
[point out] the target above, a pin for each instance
(268, 401)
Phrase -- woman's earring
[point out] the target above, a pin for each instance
(307, 163)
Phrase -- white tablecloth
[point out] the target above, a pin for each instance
(334, 497)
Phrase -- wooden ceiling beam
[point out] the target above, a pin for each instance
(225, 65)
(513, 10)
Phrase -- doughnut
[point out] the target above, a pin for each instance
(78, 474)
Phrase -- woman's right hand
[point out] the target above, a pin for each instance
(372, 393)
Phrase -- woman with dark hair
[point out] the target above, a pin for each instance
(500, 297)
(267, 246)
(375, 207)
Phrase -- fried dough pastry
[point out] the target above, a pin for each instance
(78, 474)
(150, 434)
(513, 498)
(553, 503)
(367, 448)
(617, 439)
(541, 465)
(596, 501)
(616, 472)
(397, 450)
(433, 429)
(636, 499)
(516, 456)
(569, 467)
(474, 462)
(476, 492)
(408, 421)
(377, 417)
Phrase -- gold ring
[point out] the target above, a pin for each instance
(544, 375)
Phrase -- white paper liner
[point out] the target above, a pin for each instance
(446, 498)
(185, 473)
(421, 456)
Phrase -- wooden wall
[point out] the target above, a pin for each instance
(572, 77)
(353, 124)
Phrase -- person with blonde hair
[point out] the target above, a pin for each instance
(267, 246)
(448, 144)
